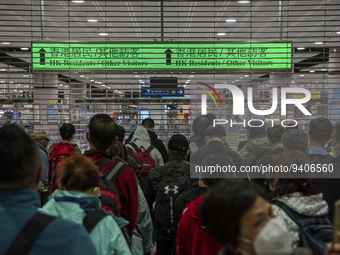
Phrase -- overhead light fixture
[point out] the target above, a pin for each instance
(78, 1)
(66, 86)
(338, 32)
(318, 43)
(103, 34)
(24, 48)
(246, 75)
(230, 20)
(5, 43)
(301, 75)
(300, 48)
(192, 76)
(323, 69)
(92, 20)
(236, 80)
(243, 1)
(221, 34)
(61, 85)
(91, 80)
(312, 71)
(82, 76)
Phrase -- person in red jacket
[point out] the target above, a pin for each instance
(101, 136)
(192, 238)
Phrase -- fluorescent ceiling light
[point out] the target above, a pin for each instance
(230, 20)
(103, 34)
(244, 2)
(5, 43)
(24, 48)
(301, 48)
(221, 34)
(338, 32)
(302, 75)
(82, 76)
(318, 43)
(312, 71)
(92, 20)
(78, 1)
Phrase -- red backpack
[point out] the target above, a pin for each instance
(144, 160)
(59, 152)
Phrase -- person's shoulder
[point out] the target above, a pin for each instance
(77, 240)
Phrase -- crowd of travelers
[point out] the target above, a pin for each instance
(138, 196)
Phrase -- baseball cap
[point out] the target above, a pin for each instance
(41, 134)
(178, 143)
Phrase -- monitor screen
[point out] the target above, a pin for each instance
(163, 83)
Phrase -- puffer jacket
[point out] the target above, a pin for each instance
(106, 235)
(142, 138)
(313, 206)
(255, 150)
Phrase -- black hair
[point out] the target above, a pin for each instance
(275, 134)
(102, 131)
(218, 131)
(148, 123)
(295, 139)
(337, 132)
(201, 123)
(118, 150)
(224, 207)
(19, 158)
(320, 129)
(287, 186)
(67, 131)
(120, 133)
(220, 159)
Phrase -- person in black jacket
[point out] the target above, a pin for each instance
(215, 138)
(149, 125)
(178, 149)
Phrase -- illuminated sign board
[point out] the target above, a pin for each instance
(161, 56)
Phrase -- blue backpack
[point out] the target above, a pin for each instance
(315, 231)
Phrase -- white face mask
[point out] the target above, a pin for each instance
(273, 239)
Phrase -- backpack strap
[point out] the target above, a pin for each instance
(92, 219)
(151, 147)
(135, 147)
(29, 234)
(115, 171)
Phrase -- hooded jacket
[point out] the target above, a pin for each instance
(192, 238)
(106, 235)
(141, 138)
(312, 206)
(155, 142)
(255, 150)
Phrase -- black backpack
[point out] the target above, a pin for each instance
(173, 184)
(109, 195)
(315, 232)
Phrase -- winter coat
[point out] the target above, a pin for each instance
(312, 206)
(155, 142)
(141, 241)
(106, 235)
(192, 238)
(142, 138)
(127, 187)
(255, 150)
(59, 236)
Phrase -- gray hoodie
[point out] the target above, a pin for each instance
(305, 205)
(141, 138)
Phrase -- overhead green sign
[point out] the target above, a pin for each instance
(162, 56)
